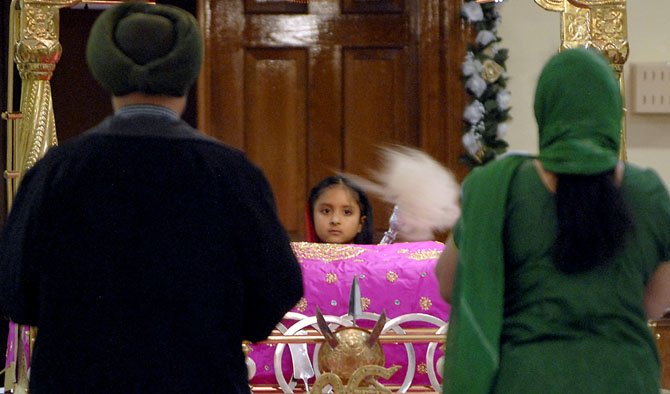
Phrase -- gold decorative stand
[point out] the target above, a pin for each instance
(599, 24)
(34, 49)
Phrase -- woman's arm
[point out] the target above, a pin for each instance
(445, 269)
(657, 292)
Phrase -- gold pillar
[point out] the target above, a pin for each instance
(600, 24)
(35, 49)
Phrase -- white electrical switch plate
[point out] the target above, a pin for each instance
(651, 88)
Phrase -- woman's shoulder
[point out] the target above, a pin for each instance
(643, 187)
(508, 162)
(642, 179)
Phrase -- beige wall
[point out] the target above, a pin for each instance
(533, 35)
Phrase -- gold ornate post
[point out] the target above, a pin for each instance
(600, 24)
(35, 49)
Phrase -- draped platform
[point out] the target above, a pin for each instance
(398, 278)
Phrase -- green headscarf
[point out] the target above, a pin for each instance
(579, 109)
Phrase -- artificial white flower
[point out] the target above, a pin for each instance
(503, 98)
(471, 65)
(476, 85)
(485, 37)
(474, 112)
(501, 132)
(472, 11)
(471, 142)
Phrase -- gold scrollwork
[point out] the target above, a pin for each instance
(600, 24)
(576, 28)
(362, 375)
(593, 23)
(551, 5)
(594, 3)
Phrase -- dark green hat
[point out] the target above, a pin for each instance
(138, 47)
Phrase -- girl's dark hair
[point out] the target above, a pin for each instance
(593, 221)
(367, 232)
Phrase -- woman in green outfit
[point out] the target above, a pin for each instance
(561, 257)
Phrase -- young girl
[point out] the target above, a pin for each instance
(338, 212)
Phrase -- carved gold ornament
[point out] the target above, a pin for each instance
(348, 354)
(363, 375)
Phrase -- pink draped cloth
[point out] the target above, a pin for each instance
(11, 356)
(398, 278)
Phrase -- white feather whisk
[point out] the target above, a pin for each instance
(425, 193)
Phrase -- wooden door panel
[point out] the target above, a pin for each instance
(271, 30)
(274, 6)
(376, 104)
(275, 91)
(308, 90)
(325, 149)
(376, 6)
(377, 110)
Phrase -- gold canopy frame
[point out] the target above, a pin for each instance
(599, 24)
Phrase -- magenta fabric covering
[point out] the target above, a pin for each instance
(399, 278)
(16, 330)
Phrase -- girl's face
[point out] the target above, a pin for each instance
(337, 216)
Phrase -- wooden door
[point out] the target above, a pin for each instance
(309, 89)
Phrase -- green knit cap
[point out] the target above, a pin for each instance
(138, 47)
(578, 107)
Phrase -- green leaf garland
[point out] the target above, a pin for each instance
(485, 80)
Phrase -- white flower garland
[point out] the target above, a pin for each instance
(485, 78)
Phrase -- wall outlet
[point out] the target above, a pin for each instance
(651, 88)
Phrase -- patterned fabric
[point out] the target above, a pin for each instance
(398, 278)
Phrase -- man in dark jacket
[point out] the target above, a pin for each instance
(143, 251)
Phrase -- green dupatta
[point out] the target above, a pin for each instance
(475, 322)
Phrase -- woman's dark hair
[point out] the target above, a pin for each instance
(593, 221)
(367, 232)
